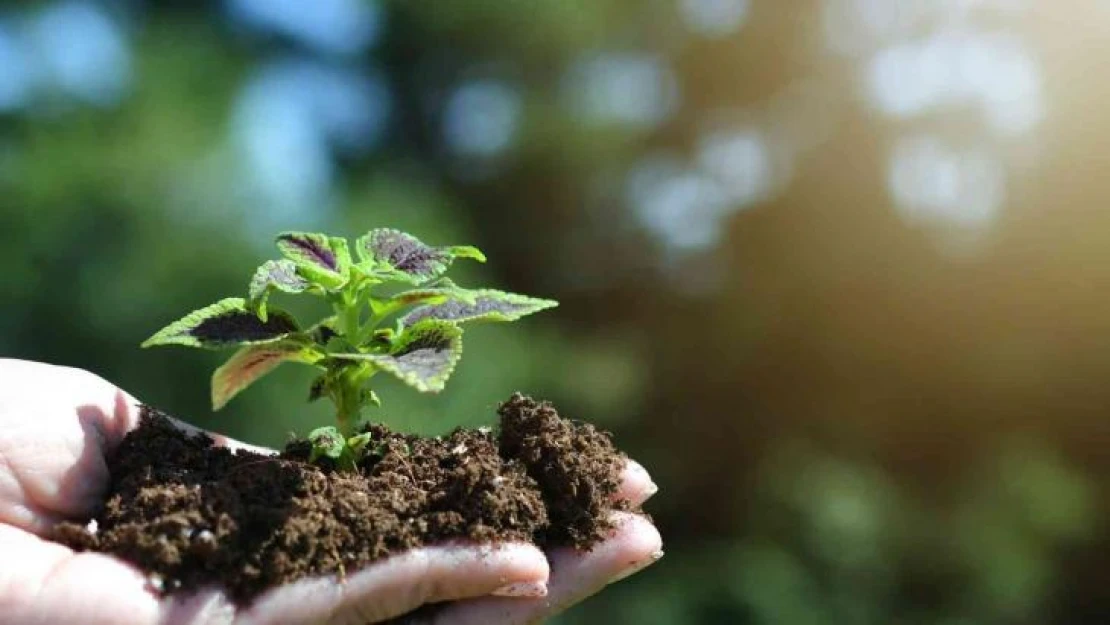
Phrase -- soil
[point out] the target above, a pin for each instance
(191, 514)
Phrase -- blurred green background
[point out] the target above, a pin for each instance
(836, 271)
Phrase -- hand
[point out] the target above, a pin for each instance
(58, 424)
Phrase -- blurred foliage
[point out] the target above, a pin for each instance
(857, 413)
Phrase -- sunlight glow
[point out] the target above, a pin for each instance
(481, 118)
(714, 18)
(933, 183)
(627, 88)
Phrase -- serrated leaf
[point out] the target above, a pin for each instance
(483, 305)
(321, 259)
(251, 363)
(423, 357)
(226, 323)
(404, 257)
(280, 275)
(425, 296)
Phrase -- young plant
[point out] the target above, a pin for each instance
(393, 312)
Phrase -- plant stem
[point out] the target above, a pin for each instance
(348, 404)
(349, 397)
(351, 323)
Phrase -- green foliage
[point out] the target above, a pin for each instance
(351, 346)
(482, 305)
(227, 323)
(280, 275)
(423, 356)
(395, 255)
(325, 261)
(254, 361)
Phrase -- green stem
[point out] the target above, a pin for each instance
(349, 397)
(347, 403)
(350, 320)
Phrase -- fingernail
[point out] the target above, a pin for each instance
(636, 567)
(522, 589)
(638, 473)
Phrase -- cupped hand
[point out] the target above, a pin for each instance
(57, 426)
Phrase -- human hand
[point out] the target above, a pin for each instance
(57, 425)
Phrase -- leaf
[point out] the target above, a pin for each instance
(273, 275)
(423, 357)
(226, 323)
(427, 296)
(467, 251)
(369, 397)
(358, 443)
(323, 331)
(404, 257)
(326, 441)
(484, 305)
(419, 296)
(251, 363)
(322, 259)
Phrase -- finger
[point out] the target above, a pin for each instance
(220, 440)
(58, 423)
(575, 575)
(42, 582)
(636, 484)
(401, 584)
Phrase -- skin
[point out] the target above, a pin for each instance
(57, 425)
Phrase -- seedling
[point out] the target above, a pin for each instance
(394, 312)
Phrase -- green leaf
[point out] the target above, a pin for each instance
(426, 296)
(251, 363)
(423, 357)
(467, 251)
(226, 323)
(323, 260)
(368, 396)
(483, 305)
(323, 331)
(273, 275)
(326, 441)
(358, 443)
(401, 256)
(419, 296)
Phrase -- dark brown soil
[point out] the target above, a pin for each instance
(192, 514)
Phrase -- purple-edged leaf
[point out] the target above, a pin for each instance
(322, 259)
(483, 305)
(226, 323)
(280, 275)
(251, 363)
(402, 256)
(423, 357)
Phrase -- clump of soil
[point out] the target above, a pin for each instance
(193, 514)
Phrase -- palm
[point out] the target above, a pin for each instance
(59, 423)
